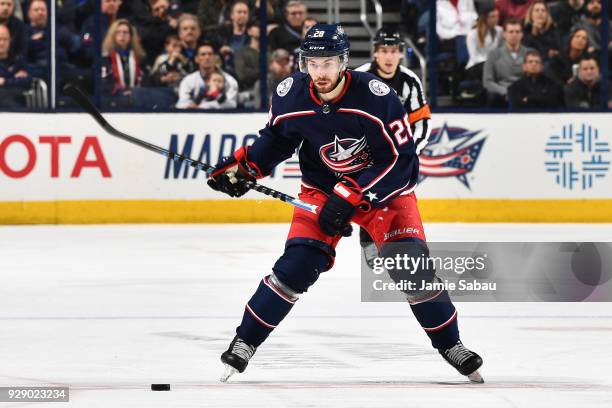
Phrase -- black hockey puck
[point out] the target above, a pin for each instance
(160, 387)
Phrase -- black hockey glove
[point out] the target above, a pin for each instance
(232, 174)
(336, 214)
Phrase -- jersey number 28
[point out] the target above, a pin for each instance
(401, 130)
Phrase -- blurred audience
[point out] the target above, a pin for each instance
(540, 31)
(482, 39)
(279, 68)
(564, 66)
(247, 59)
(585, 90)
(288, 35)
(156, 27)
(516, 9)
(14, 79)
(454, 18)
(504, 65)
(212, 13)
(16, 27)
(231, 37)
(591, 23)
(109, 10)
(67, 43)
(189, 32)
(568, 13)
(274, 11)
(200, 90)
(121, 69)
(535, 89)
(295, 57)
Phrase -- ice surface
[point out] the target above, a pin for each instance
(108, 310)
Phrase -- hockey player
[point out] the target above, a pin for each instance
(358, 164)
(388, 51)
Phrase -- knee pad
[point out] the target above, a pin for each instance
(299, 267)
(417, 269)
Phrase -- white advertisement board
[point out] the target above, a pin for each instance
(46, 157)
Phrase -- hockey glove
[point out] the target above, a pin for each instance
(336, 214)
(233, 173)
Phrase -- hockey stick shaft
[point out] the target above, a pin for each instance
(85, 103)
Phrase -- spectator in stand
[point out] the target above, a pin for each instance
(194, 92)
(535, 89)
(540, 31)
(504, 65)
(585, 91)
(289, 34)
(159, 89)
(38, 50)
(212, 13)
(121, 71)
(230, 38)
(454, 18)
(295, 57)
(19, 36)
(591, 23)
(155, 28)
(189, 33)
(568, 13)
(169, 67)
(14, 79)
(109, 9)
(134, 10)
(247, 59)
(561, 67)
(482, 39)
(412, 12)
(279, 68)
(516, 9)
(274, 11)
(72, 13)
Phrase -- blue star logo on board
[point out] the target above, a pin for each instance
(577, 156)
(451, 152)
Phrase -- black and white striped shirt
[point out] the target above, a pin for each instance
(408, 87)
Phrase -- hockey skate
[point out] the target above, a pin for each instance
(236, 358)
(464, 360)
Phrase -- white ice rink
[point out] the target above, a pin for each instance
(108, 310)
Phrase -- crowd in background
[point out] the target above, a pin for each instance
(162, 54)
(155, 54)
(516, 53)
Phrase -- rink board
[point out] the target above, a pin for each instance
(62, 168)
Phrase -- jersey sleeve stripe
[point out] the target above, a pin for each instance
(291, 114)
(389, 140)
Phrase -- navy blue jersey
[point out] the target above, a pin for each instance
(363, 134)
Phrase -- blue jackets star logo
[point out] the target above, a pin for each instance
(451, 152)
(345, 155)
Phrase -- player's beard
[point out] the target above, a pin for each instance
(329, 84)
(326, 87)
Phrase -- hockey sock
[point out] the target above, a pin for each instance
(264, 311)
(438, 317)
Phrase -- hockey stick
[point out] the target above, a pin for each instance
(79, 97)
